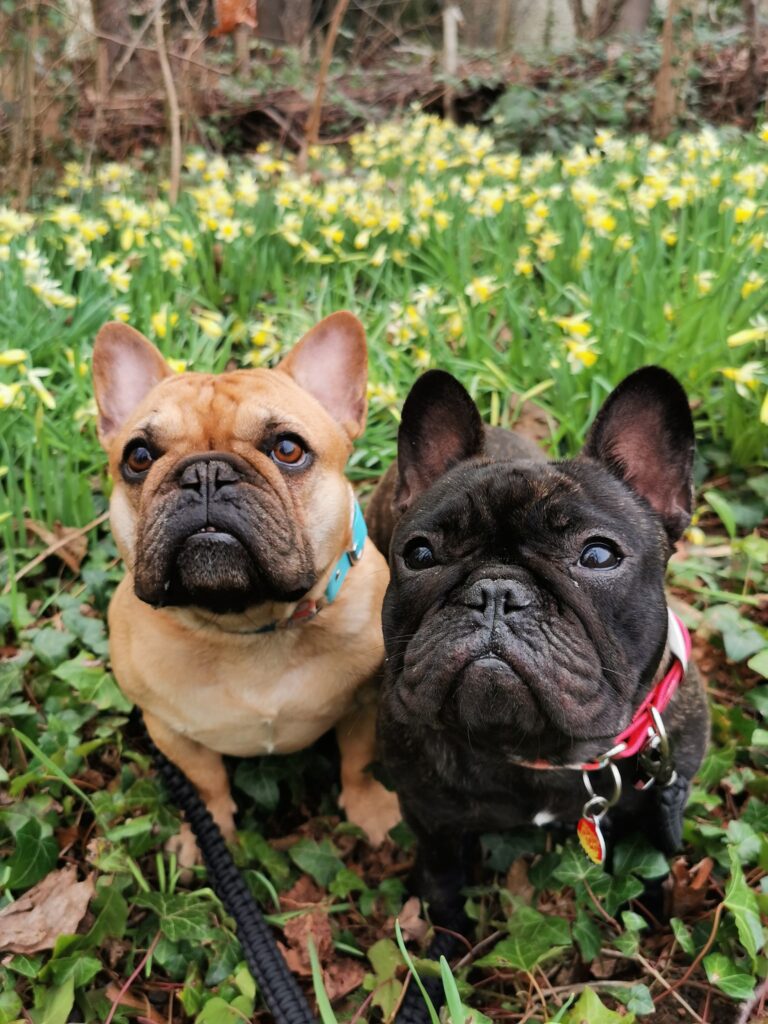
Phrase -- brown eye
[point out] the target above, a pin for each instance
(288, 452)
(138, 460)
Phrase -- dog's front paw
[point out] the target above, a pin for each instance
(372, 807)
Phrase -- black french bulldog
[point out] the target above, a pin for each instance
(526, 621)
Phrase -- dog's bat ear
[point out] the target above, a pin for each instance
(126, 366)
(644, 435)
(331, 363)
(440, 427)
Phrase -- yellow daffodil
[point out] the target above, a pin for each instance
(210, 323)
(13, 356)
(173, 260)
(480, 289)
(9, 393)
(753, 283)
(744, 377)
(162, 321)
(749, 334)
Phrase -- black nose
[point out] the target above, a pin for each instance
(207, 476)
(498, 597)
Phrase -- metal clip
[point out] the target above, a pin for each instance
(588, 828)
(656, 759)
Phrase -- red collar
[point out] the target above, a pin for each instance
(643, 728)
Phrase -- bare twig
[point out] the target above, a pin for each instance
(174, 114)
(53, 548)
(699, 957)
(312, 130)
(133, 976)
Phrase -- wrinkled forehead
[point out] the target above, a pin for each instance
(201, 410)
(503, 498)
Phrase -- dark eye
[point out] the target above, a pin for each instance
(599, 555)
(137, 459)
(288, 452)
(418, 554)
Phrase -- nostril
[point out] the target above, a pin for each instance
(192, 477)
(223, 473)
(515, 596)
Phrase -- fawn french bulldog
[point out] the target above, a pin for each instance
(248, 619)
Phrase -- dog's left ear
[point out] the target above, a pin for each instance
(644, 435)
(331, 363)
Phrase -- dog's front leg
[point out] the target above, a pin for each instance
(440, 874)
(366, 802)
(205, 770)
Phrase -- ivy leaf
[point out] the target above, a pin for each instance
(745, 842)
(56, 1004)
(35, 855)
(715, 765)
(385, 959)
(742, 903)
(683, 936)
(51, 646)
(320, 860)
(532, 938)
(729, 977)
(182, 916)
(638, 856)
(574, 869)
(759, 664)
(258, 782)
(640, 1000)
(587, 935)
(591, 1008)
(741, 638)
(93, 683)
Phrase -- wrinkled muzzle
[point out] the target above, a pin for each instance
(219, 536)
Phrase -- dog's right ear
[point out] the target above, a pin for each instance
(440, 427)
(126, 366)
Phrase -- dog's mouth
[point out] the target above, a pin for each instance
(215, 570)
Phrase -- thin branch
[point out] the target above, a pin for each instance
(53, 548)
(312, 130)
(174, 114)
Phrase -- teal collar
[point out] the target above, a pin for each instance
(308, 608)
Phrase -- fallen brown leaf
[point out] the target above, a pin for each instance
(141, 1002)
(342, 976)
(71, 552)
(517, 881)
(412, 924)
(304, 893)
(298, 931)
(53, 907)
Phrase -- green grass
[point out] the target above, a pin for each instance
(541, 278)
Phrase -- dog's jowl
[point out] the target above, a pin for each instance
(248, 620)
(532, 660)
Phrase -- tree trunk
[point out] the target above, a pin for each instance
(610, 18)
(665, 104)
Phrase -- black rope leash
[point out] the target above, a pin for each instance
(281, 993)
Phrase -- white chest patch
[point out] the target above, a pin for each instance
(543, 818)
